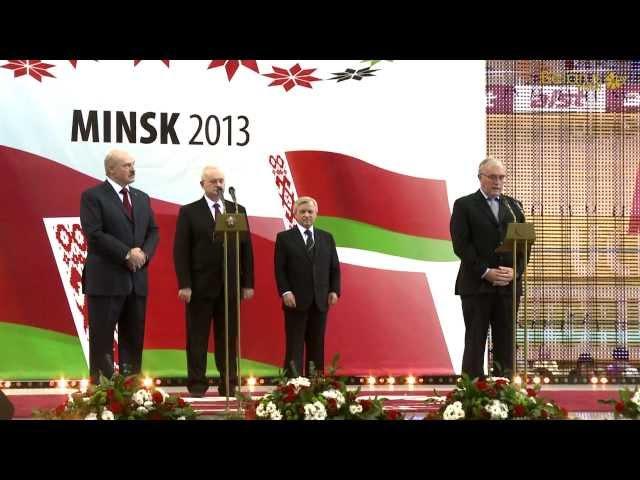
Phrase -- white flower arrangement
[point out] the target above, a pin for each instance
(454, 412)
(317, 397)
(336, 395)
(494, 379)
(107, 415)
(119, 398)
(497, 410)
(276, 415)
(269, 411)
(315, 411)
(299, 382)
(141, 397)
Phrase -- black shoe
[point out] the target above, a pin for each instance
(197, 393)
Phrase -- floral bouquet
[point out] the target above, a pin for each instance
(316, 398)
(494, 399)
(629, 404)
(120, 398)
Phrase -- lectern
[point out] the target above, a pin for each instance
(234, 224)
(519, 236)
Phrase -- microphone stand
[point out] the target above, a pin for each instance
(514, 297)
(232, 192)
(226, 312)
(235, 223)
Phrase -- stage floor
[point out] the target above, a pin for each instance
(580, 400)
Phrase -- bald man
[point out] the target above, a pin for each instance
(198, 260)
(122, 237)
(485, 278)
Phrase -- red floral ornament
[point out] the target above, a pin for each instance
(393, 415)
(500, 383)
(481, 385)
(292, 77)
(366, 405)
(332, 405)
(35, 68)
(519, 411)
(166, 62)
(157, 397)
(231, 66)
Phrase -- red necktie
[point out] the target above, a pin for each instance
(216, 207)
(127, 203)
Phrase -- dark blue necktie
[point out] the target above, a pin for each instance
(309, 240)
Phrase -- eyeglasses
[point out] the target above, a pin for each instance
(495, 178)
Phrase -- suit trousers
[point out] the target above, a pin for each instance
(200, 313)
(481, 311)
(304, 328)
(105, 312)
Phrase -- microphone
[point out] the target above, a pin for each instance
(506, 202)
(232, 192)
(519, 205)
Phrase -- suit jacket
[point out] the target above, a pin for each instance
(198, 257)
(475, 234)
(308, 276)
(110, 235)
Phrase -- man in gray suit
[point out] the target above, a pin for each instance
(122, 236)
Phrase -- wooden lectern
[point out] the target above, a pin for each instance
(231, 223)
(519, 236)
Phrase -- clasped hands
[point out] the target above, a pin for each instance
(136, 259)
(499, 277)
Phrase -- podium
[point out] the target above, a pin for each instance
(519, 236)
(231, 223)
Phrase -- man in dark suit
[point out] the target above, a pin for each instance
(198, 259)
(478, 226)
(307, 273)
(122, 237)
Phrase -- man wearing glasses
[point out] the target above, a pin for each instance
(478, 226)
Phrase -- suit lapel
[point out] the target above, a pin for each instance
(135, 204)
(115, 198)
(484, 206)
(502, 213)
(317, 241)
(207, 216)
(299, 241)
